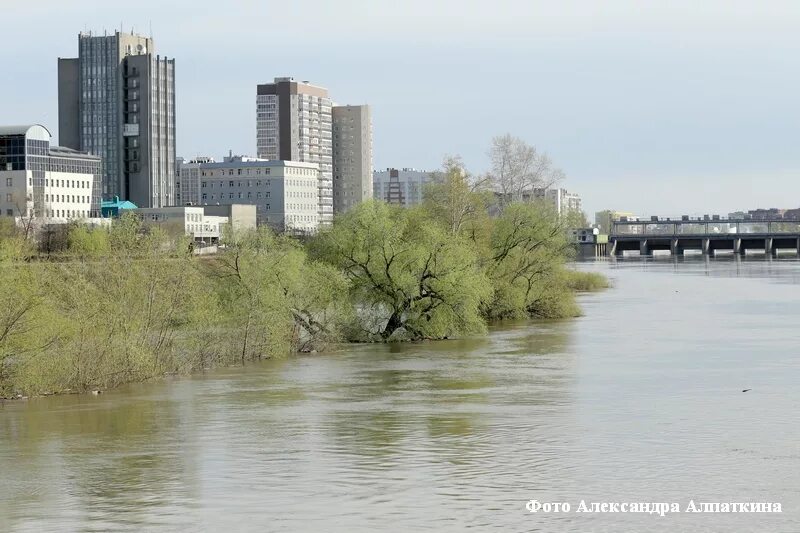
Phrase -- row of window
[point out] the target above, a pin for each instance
(67, 213)
(67, 198)
(288, 171)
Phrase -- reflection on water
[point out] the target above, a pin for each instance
(639, 400)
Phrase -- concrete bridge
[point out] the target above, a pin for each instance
(708, 235)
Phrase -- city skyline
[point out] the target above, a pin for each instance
(651, 98)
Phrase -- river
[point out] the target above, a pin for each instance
(639, 400)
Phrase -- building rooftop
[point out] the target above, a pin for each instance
(117, 203)
(254, 164)
(22, 130)
(62, 151)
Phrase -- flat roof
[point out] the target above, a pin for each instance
(254, 164)
(62, 151)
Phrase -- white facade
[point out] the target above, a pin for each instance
(38, 181)
(562, 200)
(352, 156)
(285, 193)
(191, 220)
(404, 187)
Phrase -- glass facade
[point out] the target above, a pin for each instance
(34, 194)
(12, 152)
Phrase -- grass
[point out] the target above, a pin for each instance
(586, 281)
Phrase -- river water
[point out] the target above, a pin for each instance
(640, 400)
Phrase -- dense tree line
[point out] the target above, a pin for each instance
(130, 302)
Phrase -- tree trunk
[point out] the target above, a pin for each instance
(395, 322)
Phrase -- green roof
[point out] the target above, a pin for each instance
(118, 204)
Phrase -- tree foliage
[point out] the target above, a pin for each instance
(409, 276)
(102, 306)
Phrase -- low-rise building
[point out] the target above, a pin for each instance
(285, 193)
(603, 219)
(404, 187)
(589, 242)
(43, 182)
(241, 217)
(188, 220)
(115, 208)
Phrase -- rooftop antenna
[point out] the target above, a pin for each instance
(151, 29)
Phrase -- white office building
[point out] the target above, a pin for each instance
(404, 187)
(49, 183)
(285, 193)
(187, 220)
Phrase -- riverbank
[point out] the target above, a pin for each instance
(128, 303)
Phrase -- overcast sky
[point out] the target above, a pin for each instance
(664, 108)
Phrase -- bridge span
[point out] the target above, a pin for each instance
(706, 235)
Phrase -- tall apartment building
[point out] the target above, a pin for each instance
(562, 200)
(117, 100)
(294, 123)
(352, 156)
(404, 187)
(285, 193)
(40, 181)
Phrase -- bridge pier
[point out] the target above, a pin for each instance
(674, 248)
(643, 248)
(738, 250)
(614, 247)
(768, 248)
(706, 246)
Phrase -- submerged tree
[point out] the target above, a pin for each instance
(526, 263)
(410, 277)
(275, 299)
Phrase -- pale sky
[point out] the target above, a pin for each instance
(672, 107)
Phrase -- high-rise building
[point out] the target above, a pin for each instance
(117, 100)
(40, 181)
(404, 187)
(352, 156)
(293, 123)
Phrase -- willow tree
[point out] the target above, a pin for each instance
(459, 200)
(410, 277)
(526, 262)
(274, 300)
